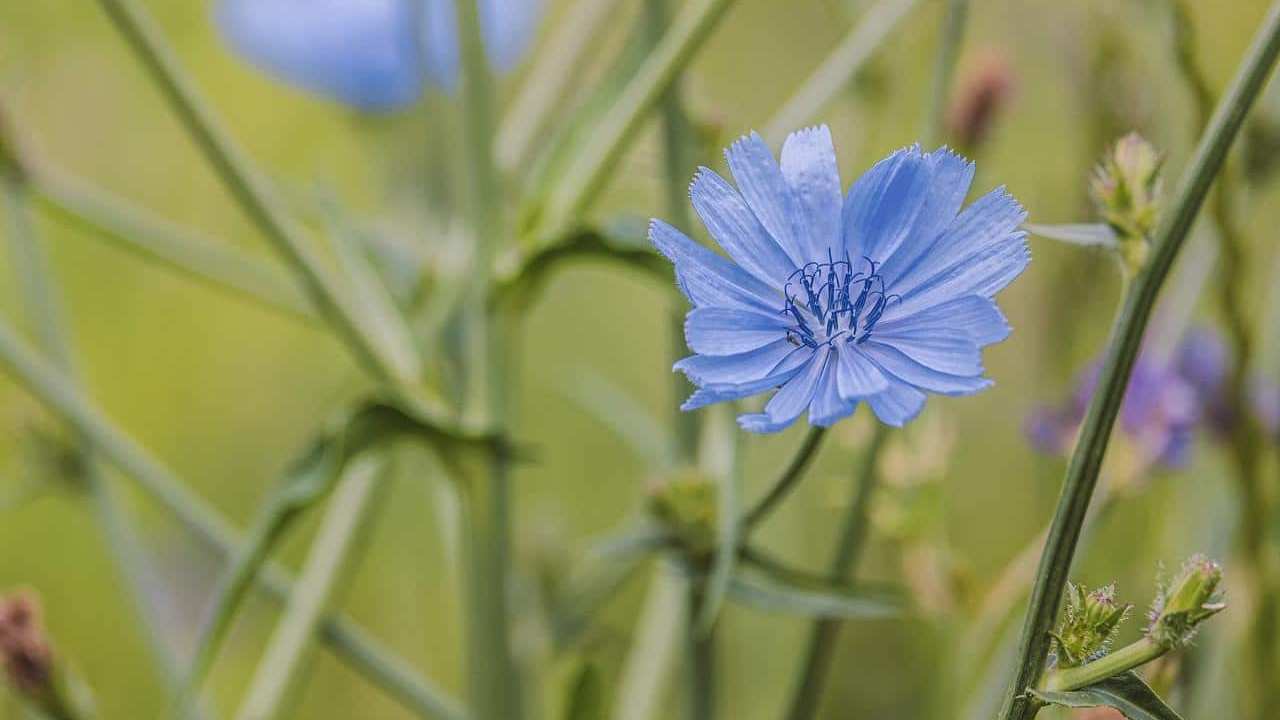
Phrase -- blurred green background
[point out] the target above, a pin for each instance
(227, 393)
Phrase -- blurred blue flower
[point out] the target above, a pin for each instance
(1204, 359)
(1161, 409)
(883, 295)
(373, 54)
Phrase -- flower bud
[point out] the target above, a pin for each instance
(1126, 188)
(1090, 623)
(33, 669)
(1183, 604)
(686, 503)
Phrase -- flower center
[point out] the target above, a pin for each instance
(831, 300)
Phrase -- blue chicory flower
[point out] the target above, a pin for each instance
(376, 55)
(883, 295)
(1204, 359)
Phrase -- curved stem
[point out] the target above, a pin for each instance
(822, 637)
(1082, 472)
(787, 481)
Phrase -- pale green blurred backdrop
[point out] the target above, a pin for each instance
(228, 393)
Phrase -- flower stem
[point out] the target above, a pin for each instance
(493, 675)
(1082, 472)
(951, 40)
(822, 636)
(1135, 654)
(701, 658)
(329, 563)
(678, 164)
(787, 481)
(349, 641)
(584, 178)
(46, 318)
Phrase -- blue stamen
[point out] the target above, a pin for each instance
(828, 294)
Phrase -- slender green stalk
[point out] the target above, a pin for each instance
(647, 669)
(787, 480)
(232, 591)
(493, 675)
(585, 177)
(951, 40)
(46, 318)
(1082, 472)
(64, 400)
(329, 564)
(1133, 655)
(1246, 441)
(822, 637)
(553, 72)
(679, 159)
(838, 70)
(216, 264)
(702, 658)
(395, 363)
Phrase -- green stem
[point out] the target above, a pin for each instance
(217, 264)
(329, 564)
(1246, 441)
(678, 165)
(232, 591)
(494, 677)
(700, 652)
(787, 480)
(64, 400)
(951, 40)
(1135, 654)
(822, 637)
(838, 70)
(1082, 472)
(46, 318)
(585, 177)
(394, 363)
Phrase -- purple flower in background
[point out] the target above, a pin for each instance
(882, 295)
(1159, 414)
(372, 54)
(1164, 403)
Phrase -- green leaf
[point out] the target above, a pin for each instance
(776, 597)
(586, 697)
(1125, 692)
(1083, 234)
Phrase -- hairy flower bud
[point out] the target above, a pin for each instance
(28, 659)
(1126, 188)
(1089, 625)
(1183, 604)
(686, 503)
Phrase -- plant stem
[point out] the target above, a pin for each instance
(700, 652)
(493, 675)
(678, 165)
(787, 481)
(822, 637)
(328, 566)
(1246, 441)
(1137, 653)
(218, 265)
(1082, 472)
(585, 176)
(394, 361)
(64, 400)
(950, 42)
(838, 70)
(45, 316)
